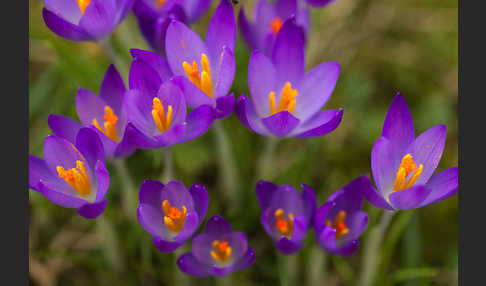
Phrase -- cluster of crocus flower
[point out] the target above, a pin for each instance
(174, 95)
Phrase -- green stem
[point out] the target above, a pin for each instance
(287, 268)
(227, 166)
(111, 247)
(265, 162)
(129, 192)
(168, 173)
(371, 253)
(110, 52)
(317, 267)
(282, 270)
(180, 278)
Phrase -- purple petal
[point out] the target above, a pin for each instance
(375, 198)
(138, 106)
(144, 78)
(150, 193)
(155, 61)
(151, 219)
(261, 81)
(59, 198)
(287, 198)
(60, 152)
(89, 106)
(202, 246)
(357, 223)
(384, 167)
(288, 54)
(285, 8)
(224, 106)
(170, 94)
(112, 89)
(177, 194)
(127, 145)
(173, 136)
(166, 246)
(92, 211)
(102, 180)
(322, 123)
(63, 126)
(319, 220)
(64, 28)
(38, 171)
(190, 225)
(264, 192)
(309, 199)
(217, 226)
(193, 95)
(198, 122)
(196, 8)
(221, 30)
(225, 72)
(267, 222)
(68, 10)
(182, 44)
(316, 89)
(247, 30)
(281, 123)
(409, 198)
(246, 261)
(443, 185)
(398, 126)
(99, 18)
(248, 117)
(89, 144)
(327, 240)
(123, 8)
(319, 3)
(427, 150)
(287, 246)
(201, 200)
(189, 265)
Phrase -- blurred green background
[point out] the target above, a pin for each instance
(383, 47)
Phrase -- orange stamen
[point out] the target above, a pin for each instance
(222, 251)
(283, 225)
(83, 4)
(276, 25)
(110, 120)
(174, 218)
(160, 3)
(407, 167)
(161, 119)
(339, 224)
(202, 81)
(77, 178)
(287, 99)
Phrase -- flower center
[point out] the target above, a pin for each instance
(287, 99)
(77, 178)
(339, 224)
(159, 3)
(161, 119)
(276, 25)
(283, 225)
(407, 167)
(83, 4)
(203, 81)
(221, 250)
(174, 218)
(110, 119)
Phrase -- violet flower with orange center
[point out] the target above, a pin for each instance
(85, 20)
(403, 165)
(339, 222)
(72, 175)
(285, 100)
(218, 251)
(286, 215)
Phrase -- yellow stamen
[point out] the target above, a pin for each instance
(222, 251)
(200, 79)
(407, 166)
(162, 120)
(159, 3)
(287, 99)
(276, 25)
(77, 178)
(339, 224)
(83, 4)
(110, 119)
(283, 225)
(174, 218)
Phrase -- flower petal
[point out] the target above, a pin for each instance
(144, 78)
(89, 106)
(281, 123)
(151, 219)
(89, 144)
(138, 106)
(150, 193)
(409, 198)
(217, 226)
(195, 9)
(198, 122)
(247, 30)
(190, 265)
(443, 185)
(319, 219)
(287, 198)
(102, 180)
(262, 79)
(309, 199)
(225, 72)
(247, 260)
(68, 10)
(201, 200)
(375, 198)
(265, 191)
(60, 152)
(165, 246)
(287, 246)
(59, 198)
(357, 223)
(322, 123)
(63, 126)
(64, 28)
(38, 171)
(193, 95)
(177, 194)
(221, 30)
(155, 61)
(92, 211)
(224, 106)
(383, 166)
(248, 117)
(113, 89)
(127, 145)
(99, 18)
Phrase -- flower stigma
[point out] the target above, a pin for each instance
(283, 225)
(174, 218)
(161, 119)
(407, 166)
(77, 178)
(276, 25)
(339, 224)
(159, 3)
(221, 251)
(202, 81)
(110, 119)
(287, 99)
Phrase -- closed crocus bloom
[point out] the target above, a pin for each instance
(171, 213)
(285, 100)
(104, 113)
(217, 251)
(286, 215)
(268, 20)
(403, 165)
(340, 221)
(205, 70)
(85, 20)
(154, 17)
(72, 175)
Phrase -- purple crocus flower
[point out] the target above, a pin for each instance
(286, 214)
(285, 101)
(154, 17)
(72, 175)
(171, 213)
(84, 20)
(217, 251)
(269, 18)
(403, 165)
(205, 70)
(339, 222)
(156, 105)
(104, 113)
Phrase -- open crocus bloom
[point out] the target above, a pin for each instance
(285, 101)
(286, 214)
(217, 251)
(154, 17)
(104, 113)
(171, 213)
(339, 222)
(403, 165)
(205, 70)
(269, 18)
(72, 175)
(84, 20)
